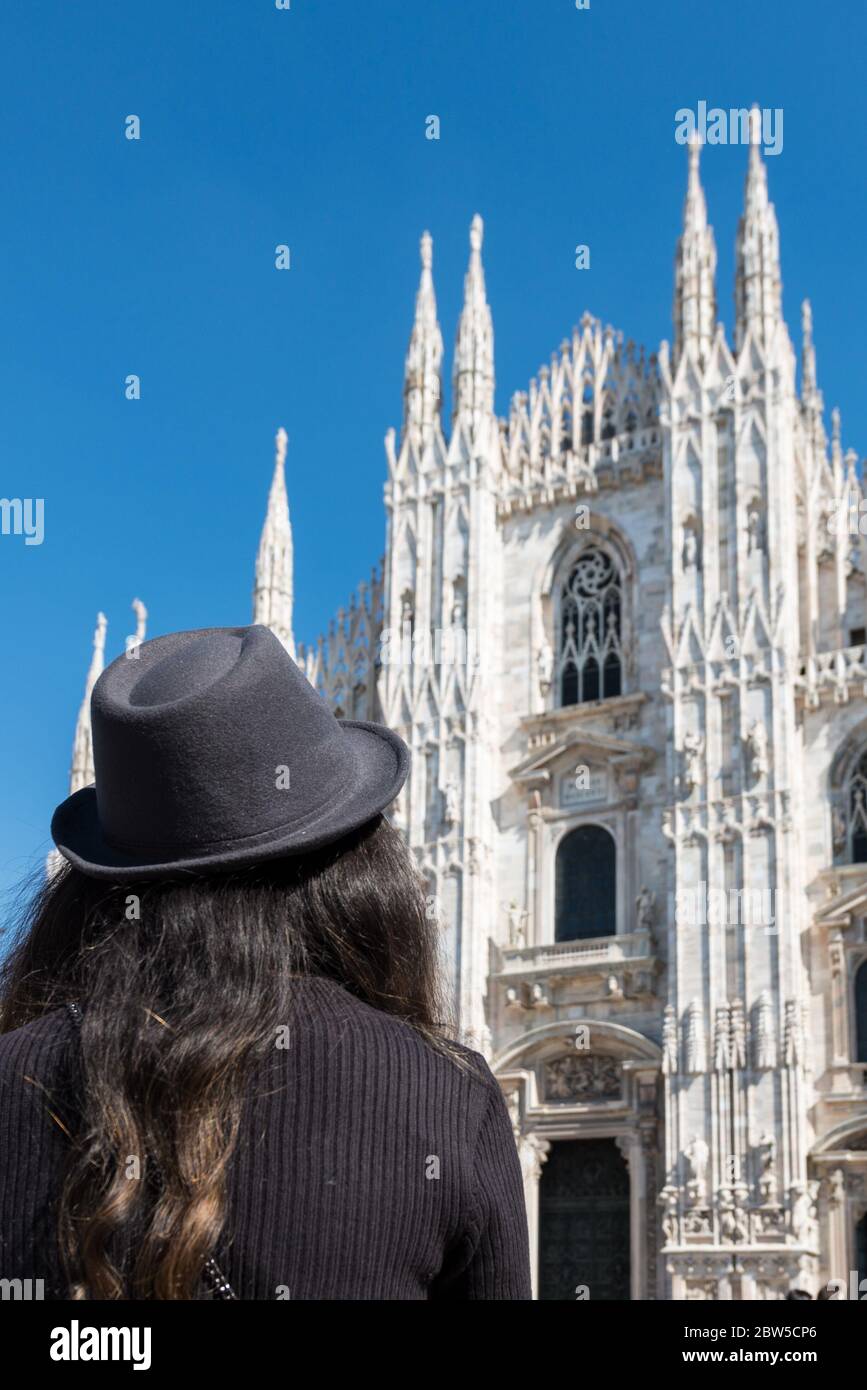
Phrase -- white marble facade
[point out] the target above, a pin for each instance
(625, 611)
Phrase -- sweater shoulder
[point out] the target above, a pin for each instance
(332, 1005)
(44, 1040)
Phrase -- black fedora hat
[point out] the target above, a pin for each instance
(213, 751)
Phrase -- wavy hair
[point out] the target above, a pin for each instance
(182, 984)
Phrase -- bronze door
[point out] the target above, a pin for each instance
(584, 1221)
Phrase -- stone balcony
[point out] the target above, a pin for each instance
(599, 969)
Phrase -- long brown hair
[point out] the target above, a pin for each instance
(183, 985)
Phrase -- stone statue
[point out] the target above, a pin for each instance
(545, 666)
(733, 1221)
(693, 748)
(697, 1154)
(668, 1202)
(407, 611)
(645, 910)
(517, 917)
(767, 1151)
(452, 803)
(838, 829)
(691, 552)
(755, 528)
(757, 750)
(803, 1210)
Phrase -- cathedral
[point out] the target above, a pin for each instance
(624, 632)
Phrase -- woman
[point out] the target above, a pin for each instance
(223, 1066)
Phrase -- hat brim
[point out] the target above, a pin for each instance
(381, 760)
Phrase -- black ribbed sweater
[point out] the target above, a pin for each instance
(369, 1166)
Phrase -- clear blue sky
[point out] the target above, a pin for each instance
(307, 126)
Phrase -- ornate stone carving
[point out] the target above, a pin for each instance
(532, 1153)
(722, 1049)
(733, 1220)
(698, 1221)
(701, 1290)
(793, 1034)
(768, 1222)
(591, 1077)
(527, 995)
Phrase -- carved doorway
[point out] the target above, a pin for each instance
(584, 1236)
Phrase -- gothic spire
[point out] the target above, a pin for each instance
(473, 375)
(694, 271)
(82, 772)
(272, 594)
(141, 620)
(808, 352)
(757, 252)
(422, 389)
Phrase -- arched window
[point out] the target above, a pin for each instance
(590, 664)
(586, 884)
(861, 1013)
(856, 804)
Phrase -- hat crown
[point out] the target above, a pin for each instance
(203, 737)
(187, 671)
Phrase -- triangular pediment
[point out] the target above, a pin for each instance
(585, 744)
(846, 906)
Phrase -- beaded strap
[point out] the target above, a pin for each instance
(216, 1281)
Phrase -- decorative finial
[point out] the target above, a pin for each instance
(477, 231)
(141, 618)
(755, 133)
(281, 440)
(426, 247)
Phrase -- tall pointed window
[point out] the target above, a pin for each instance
(590, 658)
(856, 804)
(586, 884)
